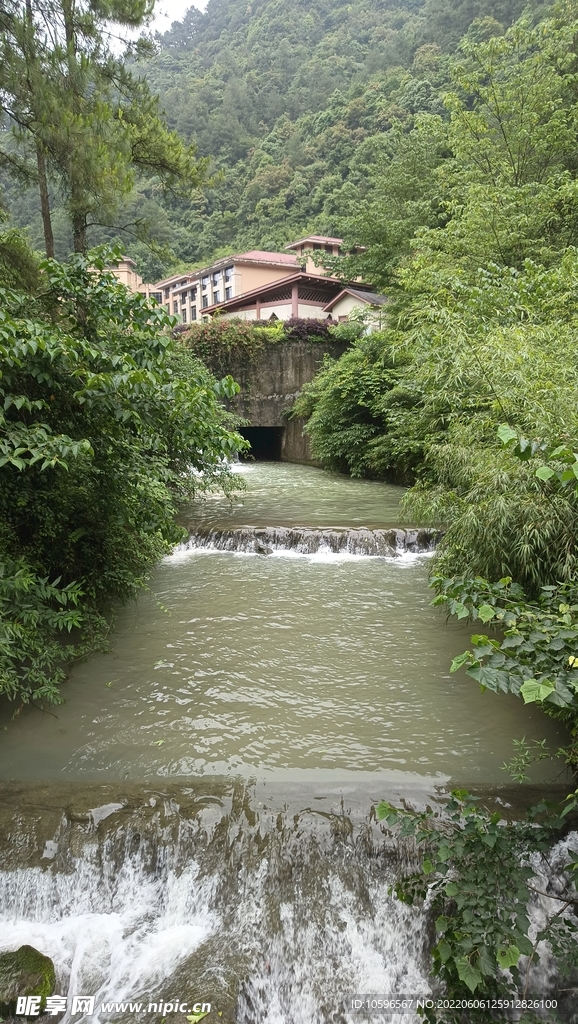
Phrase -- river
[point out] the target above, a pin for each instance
(194, 820)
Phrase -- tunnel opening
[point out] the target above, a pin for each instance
(265, 443)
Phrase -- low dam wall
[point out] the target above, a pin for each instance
(270, 383)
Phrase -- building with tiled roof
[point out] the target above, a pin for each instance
(256, 285)
(193, 295)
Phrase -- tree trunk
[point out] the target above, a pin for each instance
(44, 201)
(77, 207)
(79, 232)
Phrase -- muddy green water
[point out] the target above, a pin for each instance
(286, 664)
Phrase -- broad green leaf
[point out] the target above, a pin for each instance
(384, 811)
(485, 963)
(533, 691)
(445, 950)
(506, 434)
(460, 610)
(491, 678)
(452, 889)
(545, 473)
(507, 956)
(461, 659)
(468, 974)
(486, 612)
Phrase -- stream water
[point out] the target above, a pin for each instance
(194, 822)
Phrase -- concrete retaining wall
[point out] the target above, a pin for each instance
(270, 384)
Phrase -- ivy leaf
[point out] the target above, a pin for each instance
(468, 974)
(533, 691)
(507, 956)
(444, 950)
(486, 612)
(506, 434)
(485, 963)
(462, 659)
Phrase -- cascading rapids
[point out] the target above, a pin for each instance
(307, 541)
(270, 915)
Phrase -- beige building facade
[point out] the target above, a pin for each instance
(125, 271)
(200, 293)
(305, 247)
(349, 299)
(296, 295)
(256, 285)
(191, 296)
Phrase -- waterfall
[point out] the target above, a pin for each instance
(308, 541)
(271, 915)
(275, 910)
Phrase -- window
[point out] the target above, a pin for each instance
(184, 314)
(158, 296)
(228, 293)
(216, 297)
(193, 312)
(205, 301)
(175, 307)
(205, 282)
(167, 292)
(329, 248)
(216, 278)
(228, 274)
(193, 293)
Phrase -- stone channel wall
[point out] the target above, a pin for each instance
(270, 384)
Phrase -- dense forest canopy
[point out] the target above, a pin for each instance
(293, 102)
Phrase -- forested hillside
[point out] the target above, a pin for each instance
(293, 101)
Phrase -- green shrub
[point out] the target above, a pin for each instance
(105, 423)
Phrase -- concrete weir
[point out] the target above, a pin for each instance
(270, 384)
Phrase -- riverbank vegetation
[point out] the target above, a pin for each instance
(453, 174)
(469, 395)
(218, 341)
(106, 422)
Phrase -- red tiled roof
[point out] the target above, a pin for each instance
(315, 238)
(260, 256)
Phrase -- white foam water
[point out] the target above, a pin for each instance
(326, 544)
(273, 918)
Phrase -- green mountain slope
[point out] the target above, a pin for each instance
(292, 100)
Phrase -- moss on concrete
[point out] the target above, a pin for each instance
(25, 972)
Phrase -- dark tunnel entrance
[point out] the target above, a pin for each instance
(265, 443)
